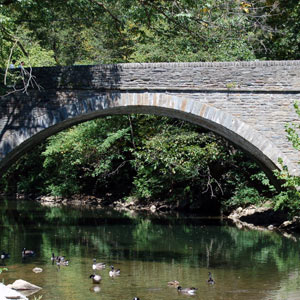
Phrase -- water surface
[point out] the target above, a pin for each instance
(150, 251)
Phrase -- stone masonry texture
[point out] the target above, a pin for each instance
(249, 103)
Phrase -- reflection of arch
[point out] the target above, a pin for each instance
(103, 104)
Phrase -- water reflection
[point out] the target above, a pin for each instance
(150, 252)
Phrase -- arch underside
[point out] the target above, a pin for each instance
(206, 116)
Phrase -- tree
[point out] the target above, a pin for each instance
(289, 197)
(282, 42)
(87, 157)
(97, 31)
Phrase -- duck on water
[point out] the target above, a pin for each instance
(189, 291)
(98, 266)
(27, 253)
(113, 272)
(96, 278)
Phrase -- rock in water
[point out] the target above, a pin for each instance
(37, 270)
(23, 285)
(7, 293)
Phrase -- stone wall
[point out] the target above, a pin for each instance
(253, 75)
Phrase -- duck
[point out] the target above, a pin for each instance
(96, 278)
(53, 258)
(136, 298)
(189, 291)
(57, 264)
(210, 279)
(98, 266)
(57, 258)
(4, 255)
(113, 272)
(61, 258)
(27, 253)
(61, 262)
(174, 283)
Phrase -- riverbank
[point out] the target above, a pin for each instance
(131, 205)
(265, 218)
(252, 217)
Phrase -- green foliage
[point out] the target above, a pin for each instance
(293, 129)
(251, 186)
(26, 175)
(147, 158)
(243, 196)
(3, 269)
(171, 161)
(283, 41)
(91, 151)
(89, 32)
(289, 197)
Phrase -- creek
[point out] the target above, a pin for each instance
(149, 250)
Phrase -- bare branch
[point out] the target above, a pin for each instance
(28, 79)
(8, 62)
(131, 131)
(210, 181)
(117, 169)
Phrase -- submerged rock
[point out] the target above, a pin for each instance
(37, 270)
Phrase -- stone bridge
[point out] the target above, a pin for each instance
(247, 103)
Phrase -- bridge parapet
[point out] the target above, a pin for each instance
(246, 76)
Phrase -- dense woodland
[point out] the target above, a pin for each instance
(141, 157)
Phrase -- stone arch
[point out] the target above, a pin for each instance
(102, 104)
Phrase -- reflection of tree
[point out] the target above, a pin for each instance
(190, 242)
(59, 215)
(145, 233)
(208, 251)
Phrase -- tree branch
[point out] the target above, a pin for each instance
(8, 2)
(118, 21)
(107, 10)
(9, 37)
